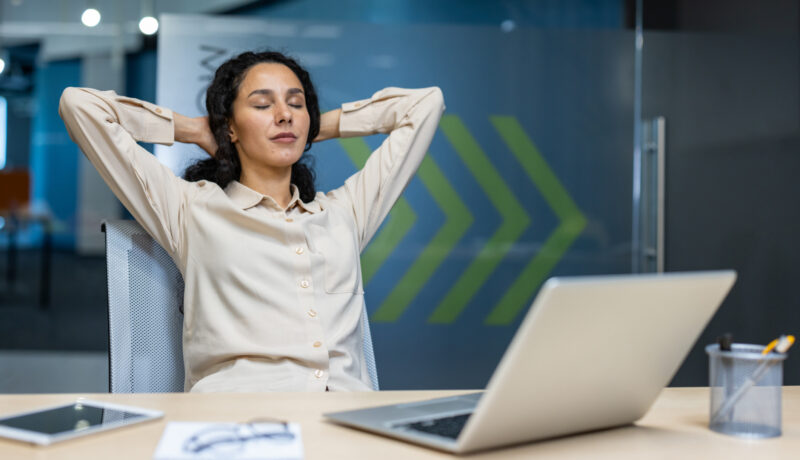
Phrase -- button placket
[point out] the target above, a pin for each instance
(314, 330)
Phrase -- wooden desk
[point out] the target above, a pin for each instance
(674, 428)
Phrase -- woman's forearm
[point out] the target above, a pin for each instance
(329, 125)
(185, 130)
(194, 131)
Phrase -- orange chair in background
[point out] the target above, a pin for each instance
(15, 190)
(15, 212)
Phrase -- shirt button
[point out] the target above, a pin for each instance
(289, 219)
(312, 313)
(158, 110)
(317, 344)
(304, 284)
(318, 373)
(299, 251)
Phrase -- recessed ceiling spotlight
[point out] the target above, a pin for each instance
(2, 65)
(90, 17)
(148, 25)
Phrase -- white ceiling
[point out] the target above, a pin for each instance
(56, 24)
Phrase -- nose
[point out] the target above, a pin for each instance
(283, 114)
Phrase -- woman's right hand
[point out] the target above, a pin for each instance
(194, 131)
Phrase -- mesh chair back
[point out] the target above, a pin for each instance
(145, 295)
(369, 353)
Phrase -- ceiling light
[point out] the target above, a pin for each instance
(2, 65)
(148, 25)
(90, 17)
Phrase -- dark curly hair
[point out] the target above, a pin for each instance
(225, 165)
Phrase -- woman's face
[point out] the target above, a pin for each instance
(270, 121)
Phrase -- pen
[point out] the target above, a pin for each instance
(780, 345)
(725, 342)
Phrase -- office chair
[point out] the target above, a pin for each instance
(145, 324)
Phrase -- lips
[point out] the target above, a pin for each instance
(284, 138)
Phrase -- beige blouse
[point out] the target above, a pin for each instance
(273, 297)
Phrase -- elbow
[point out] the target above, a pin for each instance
(437, 97)
(77, 103)
(69, 100)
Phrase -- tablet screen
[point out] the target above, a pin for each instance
(70, 418)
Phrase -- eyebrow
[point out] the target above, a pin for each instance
(268, 92)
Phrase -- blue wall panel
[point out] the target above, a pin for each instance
(54, 157)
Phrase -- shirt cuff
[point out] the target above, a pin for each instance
(160, 129)
(147, 122)
(359, 118)
(356, 119)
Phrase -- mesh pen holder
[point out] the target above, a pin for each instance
(745, 391)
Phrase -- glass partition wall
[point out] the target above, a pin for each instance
(720, 111)
(528, 176)
(540, 166)
(579, 138)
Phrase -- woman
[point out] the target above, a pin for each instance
(273, 294)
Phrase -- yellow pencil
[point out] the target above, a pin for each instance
(782, 343)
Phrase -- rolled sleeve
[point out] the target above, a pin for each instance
(410, 117)
(144, 121)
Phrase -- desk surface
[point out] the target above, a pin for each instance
(675, 427)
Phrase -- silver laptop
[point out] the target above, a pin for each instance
(592, 352)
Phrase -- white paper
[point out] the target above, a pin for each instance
(230, 441)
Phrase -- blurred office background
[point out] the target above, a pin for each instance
(581, 137)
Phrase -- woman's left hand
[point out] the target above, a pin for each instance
(329, 125)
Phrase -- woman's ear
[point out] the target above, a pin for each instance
(232, 133)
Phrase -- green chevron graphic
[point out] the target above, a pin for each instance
(400, 220)
(559, 241)
(457, 220)
(515, 220)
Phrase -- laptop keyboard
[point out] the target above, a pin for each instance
(448, 427)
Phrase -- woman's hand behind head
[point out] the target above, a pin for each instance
(329, 125)
(205, 138)
(194, 131)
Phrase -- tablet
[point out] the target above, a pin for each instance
(51, 424)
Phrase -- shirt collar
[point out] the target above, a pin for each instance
(246, 198)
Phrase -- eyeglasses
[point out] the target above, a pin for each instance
(229, 438)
